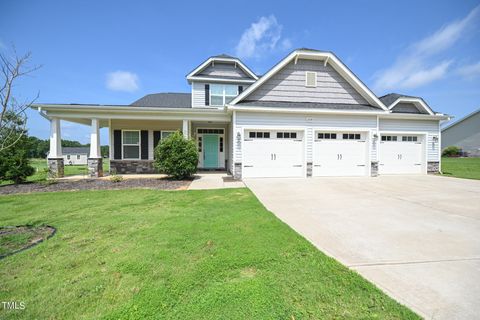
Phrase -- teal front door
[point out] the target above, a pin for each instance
(210, 150)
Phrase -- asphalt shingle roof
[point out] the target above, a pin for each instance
(390, 98)
(308, 105)
(75, 150)
(165, 100)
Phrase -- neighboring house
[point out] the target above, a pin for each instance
(308, 116)
(464, 133)
(74, 155)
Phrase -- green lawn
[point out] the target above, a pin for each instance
(145, 254)
(468, 168)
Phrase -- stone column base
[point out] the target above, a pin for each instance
(55, 168)
(374, 169)
(95, 167)
(433, 167)
(237, 174)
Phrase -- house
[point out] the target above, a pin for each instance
(75, 155)
(308, 116)
(465, 134)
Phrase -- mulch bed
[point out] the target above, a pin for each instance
(96, 184)
(30, 236)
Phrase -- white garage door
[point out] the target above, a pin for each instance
(268, 153)
(340, 154)
(401, 154)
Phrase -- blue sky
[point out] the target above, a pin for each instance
(114, 52)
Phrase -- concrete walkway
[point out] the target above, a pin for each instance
(415, 237)
(214, 180)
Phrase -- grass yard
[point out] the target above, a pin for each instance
(40, 166)
(145, 254)
(468, 168)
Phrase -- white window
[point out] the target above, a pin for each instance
(78, 157)
(409, 138)
(131, 144)
(310, 79)
(221, 94)
(389, 138)
(286, 135)
(351, 136)
(68, 157)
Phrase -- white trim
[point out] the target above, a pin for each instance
(191, 75)
(334, 62)
(139, 144)
(221, 155)
(223, 94)
(213, 80)
(110, 138)
(416, 101)
(302, 110)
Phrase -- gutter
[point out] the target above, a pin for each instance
(74, 107)
(42, 113)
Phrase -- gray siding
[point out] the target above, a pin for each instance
(431, 127)
(405, 107)
(465, 135)
(224, 70)
(289, 85)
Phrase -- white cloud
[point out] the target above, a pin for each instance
(122, 81)
(262, 36)
(417, 66)
(470, 71)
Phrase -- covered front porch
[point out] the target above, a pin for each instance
(133, 134)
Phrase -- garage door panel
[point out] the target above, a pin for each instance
(338, 157)
(273, 157)
(401, 157)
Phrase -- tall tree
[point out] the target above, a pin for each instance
(13, 117)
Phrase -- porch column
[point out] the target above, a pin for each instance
(94, 162)
(55, 159)
(185, 129)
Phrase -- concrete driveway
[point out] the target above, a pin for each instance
(415, 237)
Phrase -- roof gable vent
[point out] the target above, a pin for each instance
(310, 79)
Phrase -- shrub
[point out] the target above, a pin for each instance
(115, 178)
(176, 156)
(451, 151)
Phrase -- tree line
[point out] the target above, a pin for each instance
(38, 148)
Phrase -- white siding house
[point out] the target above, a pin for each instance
(308, 116)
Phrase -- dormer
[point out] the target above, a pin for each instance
(218, 80)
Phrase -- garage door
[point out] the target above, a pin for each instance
(268, 153)
(401, 154)
(340, 154)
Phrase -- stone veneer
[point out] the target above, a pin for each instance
(374, 169)
(309, 169)
(238, 171)
(55, 168)
(132, 166)
(95, 167)
(433, 167)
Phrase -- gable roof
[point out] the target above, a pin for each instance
(392, 99)
(75, 150)
(165, 100)
(326, 57)
(461, 120)
(222, 58)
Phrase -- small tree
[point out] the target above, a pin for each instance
(451, 151)
(14, 162)
(176, 156)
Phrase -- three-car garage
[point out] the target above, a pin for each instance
(284, 153)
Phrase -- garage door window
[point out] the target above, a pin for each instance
(351, 136)
(286, 135)
(259, 135)
(409, 138)
(389, 138)
(326, 135)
